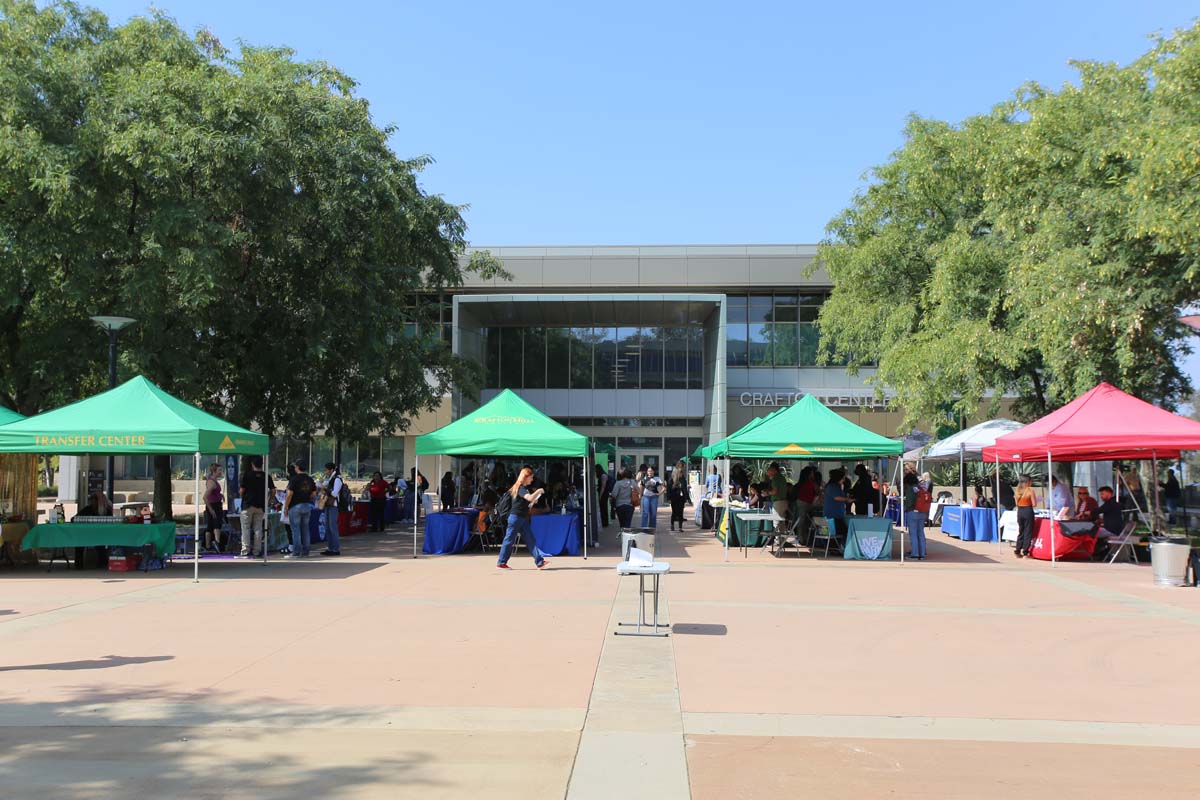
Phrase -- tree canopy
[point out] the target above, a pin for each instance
(242, 206)
(1032, 251)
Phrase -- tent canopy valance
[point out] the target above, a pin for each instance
(506, 425)
(968, 443)
(134, 418)
(808, 430)
(1103, 424)
(7, 416)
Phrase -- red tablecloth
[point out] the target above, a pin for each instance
(1066, 548)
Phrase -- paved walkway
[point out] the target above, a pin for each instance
(376, 675)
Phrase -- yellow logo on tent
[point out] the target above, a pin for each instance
(226, 444)
(793, 450)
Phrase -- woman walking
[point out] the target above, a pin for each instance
(520, 500)
(214, 509)
(1026, 499)
(678, 493)
(622, 496)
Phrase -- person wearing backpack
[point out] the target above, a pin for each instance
(297, 507)
(520, 498)
(337, 499)
(917, 499)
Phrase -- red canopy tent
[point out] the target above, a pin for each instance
(1105, 424)
(1101, 425)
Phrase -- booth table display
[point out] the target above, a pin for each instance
(868, 538)
(558, 534)
(102, 534)
(1072, 540)
(391, 511)
(969, 523)
(750, 528)
(448, 532)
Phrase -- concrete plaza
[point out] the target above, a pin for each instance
(969, 675)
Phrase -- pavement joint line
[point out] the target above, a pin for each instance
(976, 729)
(1152, 607)
(911, 609)
(271, 716)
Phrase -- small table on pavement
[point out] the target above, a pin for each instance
(656, 570)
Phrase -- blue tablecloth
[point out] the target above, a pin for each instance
(970, 524)
(391, 511)
(978, 525)
(952, 521)
(558, 534)
(447, 533)
(868, 538)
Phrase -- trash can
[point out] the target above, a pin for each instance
(1169, 558)
(641, 538)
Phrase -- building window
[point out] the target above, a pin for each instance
(535, 358)
(628, 368)
(582, 341)
(391, 461)
(772, 330)
(735, 331)
(558, 358)
(604, 370)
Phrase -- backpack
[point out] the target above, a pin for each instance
(503, 506)
(923, 501)
(345, 498)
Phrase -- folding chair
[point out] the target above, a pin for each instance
(1124, 540)
(821, 529)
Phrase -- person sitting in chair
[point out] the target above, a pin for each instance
(1112, 522)
(1086, 507)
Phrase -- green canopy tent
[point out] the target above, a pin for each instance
(720, 449)
(807, 429)
(135, 418)
(7, 416)
(508, 425)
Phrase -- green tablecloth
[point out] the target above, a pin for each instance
(749, 532)
(100, 534)
(868, 538)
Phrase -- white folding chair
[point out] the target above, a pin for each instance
(822, 530)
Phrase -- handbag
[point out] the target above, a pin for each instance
(636, 493)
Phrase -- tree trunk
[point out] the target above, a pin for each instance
(162, 488)
(337, 451)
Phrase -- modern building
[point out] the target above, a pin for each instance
(651, 350)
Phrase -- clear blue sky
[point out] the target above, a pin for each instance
(672, 122)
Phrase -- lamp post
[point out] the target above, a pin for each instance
(112, 325)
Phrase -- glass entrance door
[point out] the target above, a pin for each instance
(632, 459)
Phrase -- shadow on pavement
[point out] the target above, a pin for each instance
(96, 663)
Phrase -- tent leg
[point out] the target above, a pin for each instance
(439, 484)
(196, 539)
(266, 523)
(1154, 487)
(903, 512)
(587, 509)
(1050, 504)
(416, 487)
(998, 512)
(962, 473)
(728, 509)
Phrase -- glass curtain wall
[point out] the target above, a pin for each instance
(594, 358)
(772, 330)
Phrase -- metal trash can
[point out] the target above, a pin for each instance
(1169, 558)
(641, 538)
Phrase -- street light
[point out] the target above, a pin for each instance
(112, 325)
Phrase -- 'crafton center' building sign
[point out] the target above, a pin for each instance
(842, 399)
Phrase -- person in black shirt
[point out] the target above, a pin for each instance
(298, 507)
(252, 487)
(1112, 522)
(521, 498)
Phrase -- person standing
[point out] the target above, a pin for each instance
(712, 484)
(864, 492)
(917, 499)
(334, 505)
(604, 487)
(678, 493)
(835, 505)
(652, 490)
(448, 490)
(1007, 501)
(1172, 494)
(420, 485)
(377, 492)
(521, 499)
(1060, 499)
(214, 509)
(253, 489)
(298, 507)
(1026, 498)
(806, 494)
(623, 491)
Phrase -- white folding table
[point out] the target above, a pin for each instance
(655, 570)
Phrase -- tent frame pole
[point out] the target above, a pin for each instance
(1155, 487)
(196, 538)
(416, 487)
(586, 528)
(266, 520)
(903, 511)
(999, 513)
(1050, 504)
(728, 508)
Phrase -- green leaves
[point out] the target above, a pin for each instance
(241, 205)
(1032, 251)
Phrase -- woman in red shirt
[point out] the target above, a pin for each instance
(377, 490)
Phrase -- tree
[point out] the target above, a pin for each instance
(243, 207)
(1022, 252)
